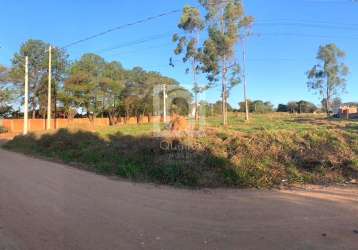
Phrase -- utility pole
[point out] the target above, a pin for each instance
(244, 79)
(48, 126)
(164, 104)
(26, 104)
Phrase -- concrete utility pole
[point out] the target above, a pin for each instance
(26, 104)
(244, 79)
(164, 104)
(48, 126)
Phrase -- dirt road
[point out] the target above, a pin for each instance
(46, 205)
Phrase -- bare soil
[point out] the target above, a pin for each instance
(45, 205)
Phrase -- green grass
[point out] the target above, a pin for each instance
(270, 122)
(264, 152)
(132, 129)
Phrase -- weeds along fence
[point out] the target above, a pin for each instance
(37, 125)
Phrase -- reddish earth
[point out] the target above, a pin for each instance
(179, 123)
(46, 205)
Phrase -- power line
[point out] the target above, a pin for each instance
(332, 1)
(136, 42)
(306, 21)
(307, 25)
(309, 36)
(121, 27)
(278, 59)
(142, 49)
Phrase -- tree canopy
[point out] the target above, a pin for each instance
(257, 106)
(328, 77)
(192, 24)
(225, 21)
(90, 86)
(97, 87)
(37, 52)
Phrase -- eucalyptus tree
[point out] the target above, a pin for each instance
(192, 23)
(225, 20)
(328, 77)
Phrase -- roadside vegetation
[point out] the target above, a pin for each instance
(272, 150)
(256, 145)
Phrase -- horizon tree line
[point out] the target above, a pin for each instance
(100, 88)
(89, 86)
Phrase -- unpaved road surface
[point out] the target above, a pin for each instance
(49, 206)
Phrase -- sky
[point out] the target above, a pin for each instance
(283, 47)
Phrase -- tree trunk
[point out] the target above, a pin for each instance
(126, 118)
(224, 95)
(90, 117)
(111, 119)
(55, 105)
(223, 73)
(196, 107)
(33, 112)
(328, 99)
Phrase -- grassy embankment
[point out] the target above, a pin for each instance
(267, 151)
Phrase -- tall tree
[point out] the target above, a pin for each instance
(83, 84)
(37, 51)
(337, 103)
(6, 96)
(134, 92)
(59, 68)
(328, 77)
(192, 24)
(292, 107)
(225, 19)
(306, 107)
(137, 97)
(112, 85)
(7, 93)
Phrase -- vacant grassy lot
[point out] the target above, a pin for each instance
(267, 151)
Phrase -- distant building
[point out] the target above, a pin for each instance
(348, 112)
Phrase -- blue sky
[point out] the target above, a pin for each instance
(287, 36)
